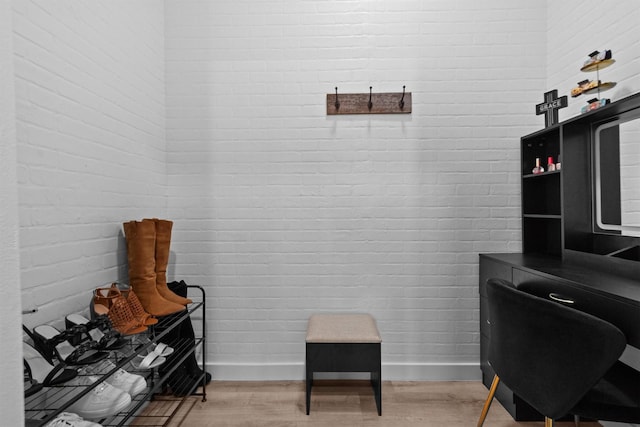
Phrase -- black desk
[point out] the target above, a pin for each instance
(609, 296)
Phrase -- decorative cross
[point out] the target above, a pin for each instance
(550, 107)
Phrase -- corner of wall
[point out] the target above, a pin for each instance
(11, 403)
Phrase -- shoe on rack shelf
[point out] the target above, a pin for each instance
(99, 329)
(72, 346)
(133, 384)
(137, 309)
(149, 361)
(68, 419)
(103, 401)
(43, 371)
(160, 348)
(110, 302)
(31, 385)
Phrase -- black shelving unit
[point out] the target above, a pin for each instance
(541, 193)
(557, 206)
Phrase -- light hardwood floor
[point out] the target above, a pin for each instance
(337, 404)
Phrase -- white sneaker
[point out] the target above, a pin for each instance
(67, 419)
(102, 401)
(131, 383)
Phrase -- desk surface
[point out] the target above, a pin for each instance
(596, 281)
(603, 294)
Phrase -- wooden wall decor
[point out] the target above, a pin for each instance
(369, 103)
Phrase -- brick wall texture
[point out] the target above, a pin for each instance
(212, 114)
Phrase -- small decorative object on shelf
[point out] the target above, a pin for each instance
(550, 165)
(538, 169)
(584, 86)
(597, 60)
(550, 107)
(594, 104)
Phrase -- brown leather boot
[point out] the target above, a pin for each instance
(141, 247)
(163, 241)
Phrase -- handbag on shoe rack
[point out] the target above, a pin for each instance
(186, 377)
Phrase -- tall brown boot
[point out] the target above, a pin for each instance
(163, 241)
(141, 248)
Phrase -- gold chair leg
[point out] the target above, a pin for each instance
(487, 403)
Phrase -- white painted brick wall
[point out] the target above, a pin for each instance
(11, 400)
(599, 25)
(279, 210)
(285, 211)
(89, 80)
(577, 28)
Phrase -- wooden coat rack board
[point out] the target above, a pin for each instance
(368, 103)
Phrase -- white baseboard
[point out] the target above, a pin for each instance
(391, 371)
(432, 372)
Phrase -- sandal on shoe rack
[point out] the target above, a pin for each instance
(31, 385)
(160, 348)
(149, 361)
(44, 372)
(154, 356)
(99, 329)
(110, 301)
(72, 346)
(137, 309)
(121, 317)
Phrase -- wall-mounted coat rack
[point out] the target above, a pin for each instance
(369, 103)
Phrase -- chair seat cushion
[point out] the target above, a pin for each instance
(342, 328)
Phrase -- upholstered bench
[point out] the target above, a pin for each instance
(344, 343)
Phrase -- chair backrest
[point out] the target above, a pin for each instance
(548, 354)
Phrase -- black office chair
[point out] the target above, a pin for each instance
(559, 360)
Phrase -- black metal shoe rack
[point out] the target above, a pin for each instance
(45, 405)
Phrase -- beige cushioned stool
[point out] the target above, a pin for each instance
(344, 343)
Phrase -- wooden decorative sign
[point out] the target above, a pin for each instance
(550, 107)
(369, 103)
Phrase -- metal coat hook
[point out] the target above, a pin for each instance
(337, 104)
(370, 104)
(402, 99)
